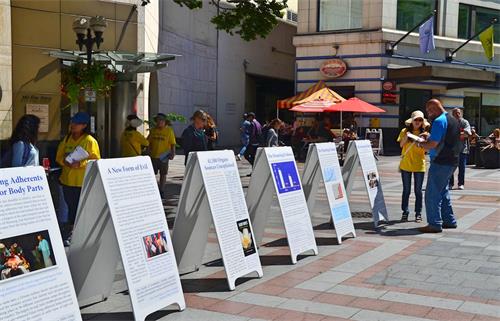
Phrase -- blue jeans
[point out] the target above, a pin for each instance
(462, 161)
(437, 196)
(244, 146)
(417, 188)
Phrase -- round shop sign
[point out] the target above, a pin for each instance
(333, 68)
(389, 85)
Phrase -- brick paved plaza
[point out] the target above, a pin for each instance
(391, 274)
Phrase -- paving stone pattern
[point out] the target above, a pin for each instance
(393, 273)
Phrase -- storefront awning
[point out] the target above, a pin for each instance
(453, 77)
(126, 62)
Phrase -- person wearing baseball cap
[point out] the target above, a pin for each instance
(161, 147)
(412, 163)
(73, 171)
(133, 142)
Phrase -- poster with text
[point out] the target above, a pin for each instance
(291, 199)
(142, 234)
(35, 281)
(335, 189)
(229, 213)
(372, 180)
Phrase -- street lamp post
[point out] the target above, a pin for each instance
(83, 27)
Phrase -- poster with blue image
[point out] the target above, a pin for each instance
(341, 212)
(286, 177)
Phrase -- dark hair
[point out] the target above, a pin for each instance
(26, 130)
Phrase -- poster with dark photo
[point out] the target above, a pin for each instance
(155, 244)
(24, 254)
(247, 241)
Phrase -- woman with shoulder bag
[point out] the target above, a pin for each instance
(412, 163)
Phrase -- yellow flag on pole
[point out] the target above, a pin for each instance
(486, 38)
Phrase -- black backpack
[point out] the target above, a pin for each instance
(263, 136)
(6, 160)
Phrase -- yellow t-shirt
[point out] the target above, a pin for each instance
(74, 176)
(132, 142)
(412, 157)
(160, 141)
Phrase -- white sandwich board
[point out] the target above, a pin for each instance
(212, 191)
(121, 216)
(358, 153)
(275, 173)
(322, 164)
(35, 281)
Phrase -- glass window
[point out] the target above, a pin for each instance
(482, 18)
(411, 12)
(463, 21)
(340, 15)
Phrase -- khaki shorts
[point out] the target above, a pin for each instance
(159, 166)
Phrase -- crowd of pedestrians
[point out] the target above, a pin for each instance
(449, 141)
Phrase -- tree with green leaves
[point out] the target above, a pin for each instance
(249, 19)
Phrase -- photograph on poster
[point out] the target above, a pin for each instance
(247, 241)
(341, 212)
(155, 244)
(372, 179)
(338, 193)
(286, 176)
(23, 254)
(329, 174)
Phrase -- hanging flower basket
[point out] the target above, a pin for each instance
(80, 77)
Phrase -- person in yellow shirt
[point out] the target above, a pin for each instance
(133, 142)
(161, 148)
(73, 172)
(412, 163)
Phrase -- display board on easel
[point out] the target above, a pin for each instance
(35, 280)
(322, 166)
(275, 173)
(121, 216)
(359, 153)
(212, 192)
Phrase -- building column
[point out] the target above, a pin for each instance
(5, 70)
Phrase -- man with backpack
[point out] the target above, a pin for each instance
(255, 134)
(444, 148)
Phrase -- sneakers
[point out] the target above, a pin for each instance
(418, 217)
(404, 217)
(430, 229)
(450, 187)
(238, 157)
(449, 226)
(461, 187)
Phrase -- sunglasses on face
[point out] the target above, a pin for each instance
(418, 120)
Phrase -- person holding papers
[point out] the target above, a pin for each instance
(73, 153)
(133, 142)
(161, 148)
(412, 162)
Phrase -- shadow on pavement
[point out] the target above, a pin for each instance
(210, 285)
(124, 316)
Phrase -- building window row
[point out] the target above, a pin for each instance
(338, 15)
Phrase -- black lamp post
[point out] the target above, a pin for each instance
(83, 27)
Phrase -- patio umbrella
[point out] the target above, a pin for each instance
(315, 106)
(354, 105)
